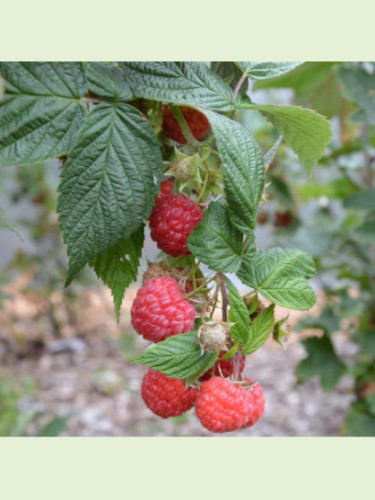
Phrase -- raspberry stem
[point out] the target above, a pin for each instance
(184, 127)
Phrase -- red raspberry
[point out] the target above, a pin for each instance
(166, 188)
(223, 406)
(196, 121)
(160, 310)
(165, 396)
(171, 221)
(223, 368)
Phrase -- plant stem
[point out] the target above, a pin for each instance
(239, 85)
(185, 127)
(224, 295)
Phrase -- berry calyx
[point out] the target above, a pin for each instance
(166, 396)
(171, 222)
(196, 121)
(223, 406)
(160, 310)
(214, 336)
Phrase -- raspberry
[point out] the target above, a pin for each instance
(223, 406)
(171, 221)
(165, 396)
(196, 121)
(166, 188)
(160, 310)
(223, 368)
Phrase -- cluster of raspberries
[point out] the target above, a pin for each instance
(160, 310)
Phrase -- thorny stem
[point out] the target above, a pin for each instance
(203, 187)
(239, 85)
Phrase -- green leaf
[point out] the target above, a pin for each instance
(366, 231)
(109, 182)
(107, 81)
(279, 275)
(238, 314)
(321, 361)
(243, 170)
(2, 87)
(359, 422)
(304, 130)
(315, 85)
(42, 110)
(223, 253)
(188, 83)
(359, 86)
(262, 70)
(260, 330)
(230, 73)
(55, 427)
(271, 153)
(364, 200)
(117, 266)
(179, 356)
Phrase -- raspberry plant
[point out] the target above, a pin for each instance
(121, 129)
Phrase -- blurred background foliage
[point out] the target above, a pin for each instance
(331, 215)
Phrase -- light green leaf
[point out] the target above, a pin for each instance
(262, 70)
(223, 253)
(41, 112)
(188, 83)
(238, 314)
(260, 330)
(179, 356)
(280, 276)
(109, 182)
(321, 361)
(359, 87)
(304, 130)
(315, 85)
(117, 266)
(271, 153)
(106, 80)
(243, 170)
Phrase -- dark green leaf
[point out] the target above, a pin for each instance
(238, 314)
(262, 70)
(364, 200)
(327, 321)
(223, 253)
(243, 170)
(230, 73)
(188, 83)
(179, 356)
(260, 330)
(42, 110)
(280, 276)
(359, 87)
(55, 427)
(359, 422)
(107, 81)
(117, 266)
(322, 361)
(109, 182)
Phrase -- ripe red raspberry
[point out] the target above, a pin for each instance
(165, 396)
(196, 121)
(223, 406)
(166, 188)
(171, 222)
(222, 368)
(160, 310)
